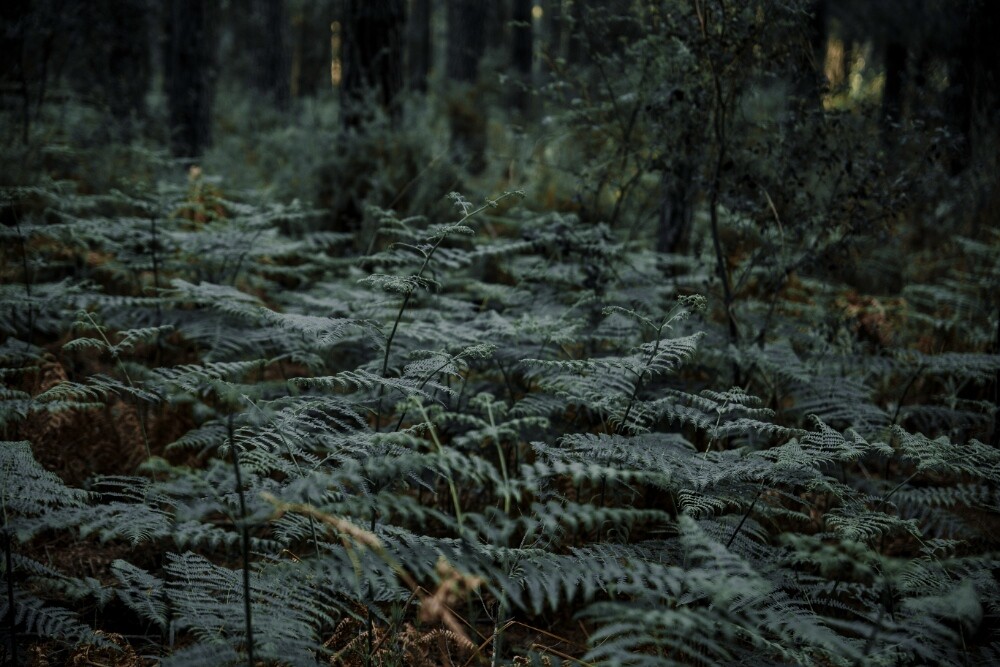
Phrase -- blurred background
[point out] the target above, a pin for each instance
(614, 110)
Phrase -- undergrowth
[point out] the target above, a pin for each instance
(474, 447)
(418, 428)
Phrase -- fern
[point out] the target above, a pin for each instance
(460, 433)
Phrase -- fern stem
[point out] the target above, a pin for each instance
(121, 367)
(406, 298)
(451, 483)
(746, 515)
(11, 612)
(154, 256)
(870, 642)
(244, 544)
(891, 493)
(243, 255)
(995, 438)
(502, 456)
(638, 382)
(370, 629)
(498, 627)
(298, 468)
(423, 383)
(507, 384)
(27, 281)
(906, 390)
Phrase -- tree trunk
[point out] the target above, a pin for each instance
(498, 18)
(129, 71)
(892, 94)
(466, 39)
(985, 89)
(418, 40)
(188, 65)
(675, 208)
(579, 37)
(553, 17)
(466, 44)
(14, 15)
(810, 59)
(521, 53)
(974, 93)
(312, 53)
(372, 56)
(271, 74)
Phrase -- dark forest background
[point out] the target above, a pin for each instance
(337, 102)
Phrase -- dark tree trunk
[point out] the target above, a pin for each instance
(553, 17)
(37, 39)
(521, 53)
(676, 185)
(418, 39)
(895, 73)
(188, 76)
(372, 56)
(974, 93)
(271, 74)
(14, 15)
(498, 18)
(995, 438)
(579, 35)
(810, 83)
(128, 66)
(986, 68)
(466, 44)
(466, 39)
(312, 54)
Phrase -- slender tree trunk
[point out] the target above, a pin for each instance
(128, 71)
(271, 74)
(675, 208)
(895, 73)
(466, 39)
(466, 44)
(372, 56)
(553, 17)
(418, 38)
(579, 37)
(522, 53)
(810, 73)
(974, 93)
(498, 17)
(14, 15)
(312, 54)
(188, 65)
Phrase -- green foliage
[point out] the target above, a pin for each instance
(746, 448)
(535, 434)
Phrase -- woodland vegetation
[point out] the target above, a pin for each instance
(453, 332)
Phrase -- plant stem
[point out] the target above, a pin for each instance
(27, 279)
(502, 456)
(11, 611)
(451, 483)
(415, 279)
(298, 467)
(746, 516)
(995, 439)
(719, 131)
(244, 544)
(121, 367)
